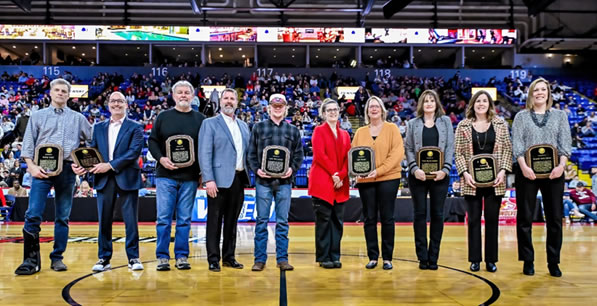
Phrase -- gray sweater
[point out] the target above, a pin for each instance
(525, 133)
(414, 141)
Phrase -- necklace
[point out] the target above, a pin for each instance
(536, 121)
(481, 147)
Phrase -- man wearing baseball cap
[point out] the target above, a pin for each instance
(585, 199)
(274, 131)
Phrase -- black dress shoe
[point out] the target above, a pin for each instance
(232, 264)
(528, 268)
(326, 264)
(554, 270)
(433, 266)
(214, 267)
(423, 265)
(490, 266)
(372, 264)
(475, 266)
(387, 265)
(337, 264)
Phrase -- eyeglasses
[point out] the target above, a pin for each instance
(117, 101)
(332, 110)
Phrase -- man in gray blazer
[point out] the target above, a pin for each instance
(223, 142)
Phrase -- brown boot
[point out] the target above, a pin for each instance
(285, 266)
(258, 266)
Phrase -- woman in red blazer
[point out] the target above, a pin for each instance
(328, 184)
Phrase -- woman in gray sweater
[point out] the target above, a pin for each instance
(540, 124)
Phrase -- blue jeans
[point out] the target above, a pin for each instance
(586, 210)
(281, 197)
(64, 187)
(568, 206)
(179, 196)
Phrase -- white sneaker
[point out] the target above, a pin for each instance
(578, 214)
(135, 264)
(567, 220)
(101, 265)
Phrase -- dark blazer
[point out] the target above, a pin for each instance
(129, 144)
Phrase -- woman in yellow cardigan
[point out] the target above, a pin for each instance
(378, 190)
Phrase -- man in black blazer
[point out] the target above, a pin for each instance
(120, 142)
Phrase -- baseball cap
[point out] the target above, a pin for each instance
(580, 184)
(277, 99)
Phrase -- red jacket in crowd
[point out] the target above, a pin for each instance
(585, 196)
(330, 155)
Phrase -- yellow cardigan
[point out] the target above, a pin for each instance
(389, 151)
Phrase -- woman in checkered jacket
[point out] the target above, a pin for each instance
(482, 132)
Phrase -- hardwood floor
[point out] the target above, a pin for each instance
(308, 284)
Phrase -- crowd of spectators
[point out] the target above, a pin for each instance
(148, 95)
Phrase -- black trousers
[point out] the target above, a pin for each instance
(552, 192)
(328, 230)
(225, 206)
(484, 198)
(437, 193)
(379, 198)
(106, 200)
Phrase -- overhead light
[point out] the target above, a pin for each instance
(178, 55)
(274, 49)
(292, 49)
(243, 56)
(440, 50)
(74, 47)
(318, 49)
(549, 55)
(375, 50)
(492, 51)
(14, 47)
(394, 50)
(145, 54)
(192, 48)
(275, 56)
(482, 57)
(93, 47)
(292, 55)
(335, 56)
(26, 53)
(473, 50)
(35, 47)
(316, 56)
(419, 50)
(196, 55)
(126, 54)
(219, 49)
(370, 56)
(240, 49)
(389, 56)
(221, 55)
(82, 54)
(337, 50)
(138, 48)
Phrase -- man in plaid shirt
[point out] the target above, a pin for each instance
(274, 131)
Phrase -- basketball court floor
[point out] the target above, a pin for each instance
(308, 284)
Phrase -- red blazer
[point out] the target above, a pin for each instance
(330, 155)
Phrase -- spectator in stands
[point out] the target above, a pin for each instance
(50, 125)
(84, 191)
(275, 131)
(569, 205)
(378, 189)
(346, 125)
(430, 128)
(540, 124)
(481, 123)
(17, 190)
(594, 180)
(329, 184)
(569, 173)
(585, 199)
(592, 117)
(587, 130)
(21, 126)
(176, 185)
(574, 182)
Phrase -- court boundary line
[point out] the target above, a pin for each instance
(283, 298)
